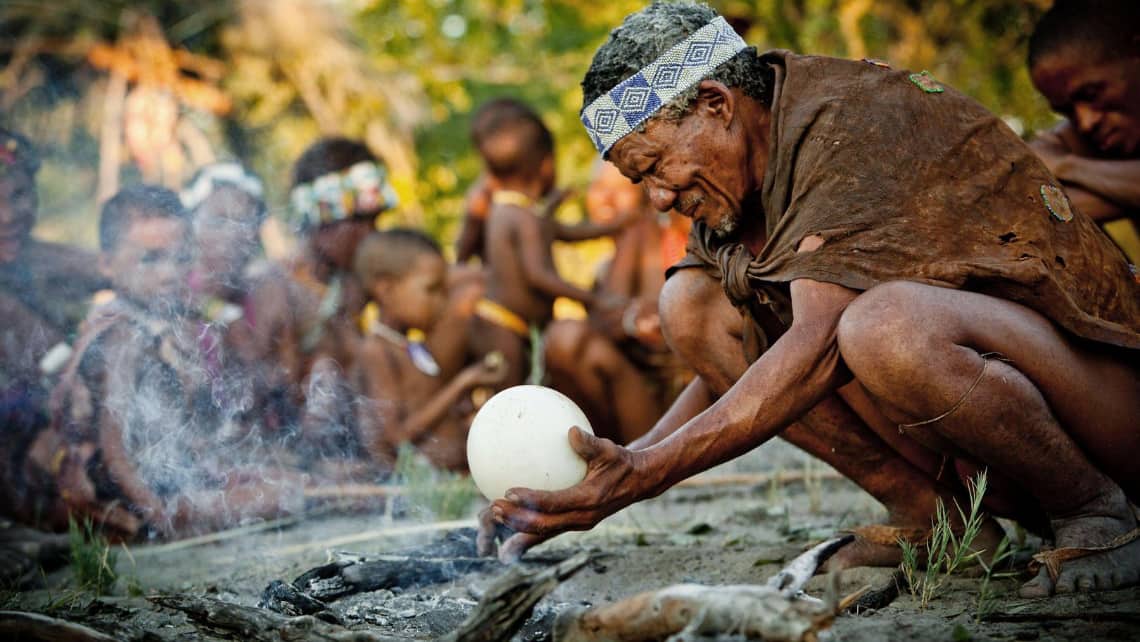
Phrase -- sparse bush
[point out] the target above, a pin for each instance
(946, 552)
(446, 495)
(92, 560)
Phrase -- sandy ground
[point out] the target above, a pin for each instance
(708, 535)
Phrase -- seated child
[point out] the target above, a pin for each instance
(522, 283)
(485, 123)
(137, 443)
(247, 299)
(339, 188)
(1084, 57)
(44, 291)
(408, 401)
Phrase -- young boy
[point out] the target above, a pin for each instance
(522, 284)
(408, 401)
(138, 443)
(1084, 57)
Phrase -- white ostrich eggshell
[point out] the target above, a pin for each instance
(520, 437)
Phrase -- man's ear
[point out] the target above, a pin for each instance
(715, 99)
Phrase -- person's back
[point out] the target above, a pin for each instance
(511, 230)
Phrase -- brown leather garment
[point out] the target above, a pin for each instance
(907, 179)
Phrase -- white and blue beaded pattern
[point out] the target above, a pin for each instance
(619, 111)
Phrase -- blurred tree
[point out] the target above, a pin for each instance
(405, 75)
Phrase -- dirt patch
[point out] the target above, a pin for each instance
(732, 534)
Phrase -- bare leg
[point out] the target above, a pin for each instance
(597, 375)
(1058, 417)
(704, 328)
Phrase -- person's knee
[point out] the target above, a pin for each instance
(564, 342)
(687, 308)
(883, 327)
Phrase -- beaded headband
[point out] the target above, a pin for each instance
(213, 176)
(337, 196)
(616, 113)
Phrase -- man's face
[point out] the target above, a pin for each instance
(152, 262)
(1101, 99)
(694, 165)
(18, 203)
(226, 227)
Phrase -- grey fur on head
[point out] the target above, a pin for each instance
(646, 35)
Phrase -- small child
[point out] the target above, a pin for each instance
(1084, 57)
(404, 273)
(339, 188)
(518, 153)
(136, 441)
(246, 299)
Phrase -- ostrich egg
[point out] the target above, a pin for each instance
(520, 438)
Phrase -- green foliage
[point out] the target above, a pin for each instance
(945, 551)
(987, 599)
(92, 560)
(442, 494)
(405, 75)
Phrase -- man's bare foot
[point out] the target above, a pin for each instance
(1096, 524)
(878, 546)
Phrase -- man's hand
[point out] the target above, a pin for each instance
(613, 481)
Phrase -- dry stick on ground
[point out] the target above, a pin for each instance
(18, 625)
(508, 602)
(257, 625)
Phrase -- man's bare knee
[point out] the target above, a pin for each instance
(884, 327)
(690, 301)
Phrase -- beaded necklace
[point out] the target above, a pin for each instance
(413, 341)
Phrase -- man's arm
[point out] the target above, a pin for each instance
(693, 400)
(387, 422)
(799, 370)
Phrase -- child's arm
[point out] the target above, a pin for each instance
(123, 355)
(388, 425)
(477, 204)
(536, 264)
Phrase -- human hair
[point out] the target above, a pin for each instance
(510, 137)
(1097, 30)
(390, 254)
(644, 36)
(17, 152)
(132, 203)
(329, 155)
